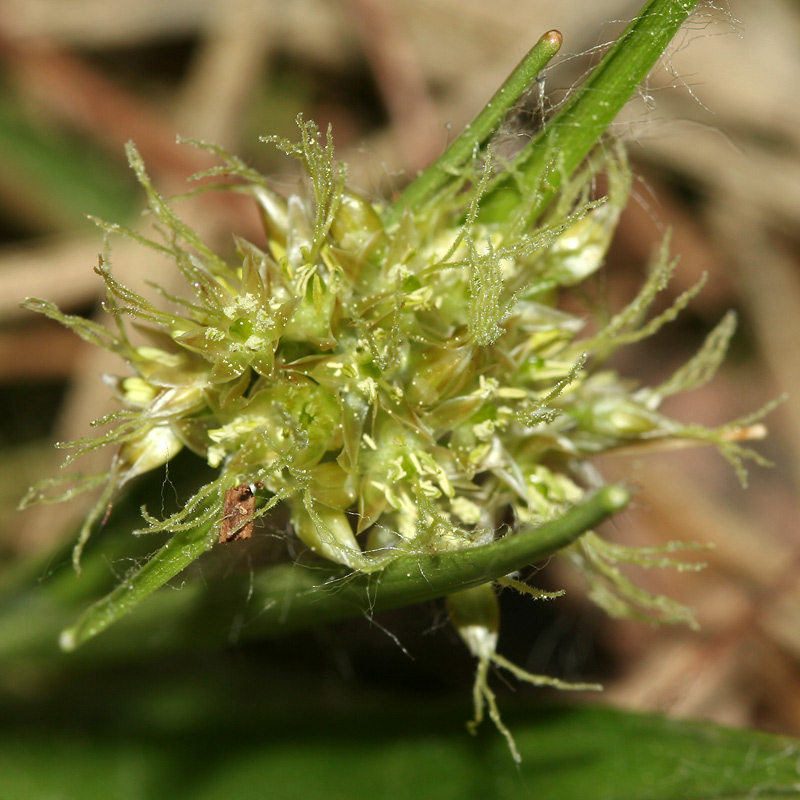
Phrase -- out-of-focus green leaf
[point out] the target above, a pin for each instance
(606, 754)
(193, 742)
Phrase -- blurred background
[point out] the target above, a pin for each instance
(715, 142)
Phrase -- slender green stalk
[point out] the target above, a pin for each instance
(476, 134)
(543, 166)
(291, 597)
(183, 548)
(294, 597)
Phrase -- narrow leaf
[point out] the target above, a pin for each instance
(438, 174)
(291, 597)
(181, 550)
(543, 166)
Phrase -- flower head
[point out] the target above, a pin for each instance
(402, 377)
(401, 386)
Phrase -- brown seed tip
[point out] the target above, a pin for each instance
(553, 38)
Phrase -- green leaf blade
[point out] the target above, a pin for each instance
(388, 749)
(182, 549)
(543, 166)
(290, 598)
(438, 174)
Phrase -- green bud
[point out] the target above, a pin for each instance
(620, 417)
(148, 450)
(274, 213)
(475, 614)
(580, 250)
(439, 373)
(357, 226)
(327, 532)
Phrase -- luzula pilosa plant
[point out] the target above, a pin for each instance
(401, 376)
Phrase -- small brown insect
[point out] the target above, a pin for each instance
(237, 513)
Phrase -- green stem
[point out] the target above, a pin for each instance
(182, 549)
(291, 597)
(542, 167)
(475, 135)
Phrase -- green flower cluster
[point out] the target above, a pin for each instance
(409, 387)
(403, 378)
